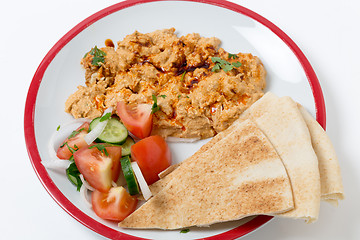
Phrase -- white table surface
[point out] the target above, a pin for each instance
(326, 31)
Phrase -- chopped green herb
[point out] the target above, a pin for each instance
(72, 150)
(185, 230)
(74, 133)
(182, 76)
(187, 97)
(101, 148)
(236, 64)
(227, 67)
(73, 174)
(216, 68)
(233, 56)
(99, 56)
(223, 64)
(179, 96)
(58, 128)
(105, 117)
(163, 96)
(155, 107)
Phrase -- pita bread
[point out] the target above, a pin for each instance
(263, 103)
(286, 129)
(283, 124)
(330, 176)
(247, 179)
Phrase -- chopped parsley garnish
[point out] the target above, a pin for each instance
(223, 64)
(233, 56)
(72, 150)
(155, 107)
(99, 56)
(236, 64)
(73, 174)
(105, 117)
(182, 76)
(185, 230)
(101, 148)
(179, 96)
(74, 133)
(58, 128)
(163, 96)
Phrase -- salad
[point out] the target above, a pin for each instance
(114, 157)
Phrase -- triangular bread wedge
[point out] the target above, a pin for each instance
(263, 103)
(283, 123)
(241, 175)
(330, 175)
(286, 129)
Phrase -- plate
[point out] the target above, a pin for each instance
(240, 30)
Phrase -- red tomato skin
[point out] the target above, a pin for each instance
(152, 155)
(111, 209)
(137, 120)
(78, 140)
(88, 162)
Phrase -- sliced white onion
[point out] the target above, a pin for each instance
(86, 184)
(83, 194)
(95, 133)
(58, 136)
(181, 140)
(145, 190)
(75, 121)
(113, 184)
(56, 163)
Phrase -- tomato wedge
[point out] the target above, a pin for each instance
(99, 164)
(136, 118)
(74, 142)
(115, 205)
(152, 155)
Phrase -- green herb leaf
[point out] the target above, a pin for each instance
(233, 56)
(236, 64)
(72, 150)
(179, 96)
(217, 59)
(73, 174)
(223, 64)
(105, 117)
(185, 230)
(58, 128)
(227, 67)
(155, 107)
(163, 96)
(182, 76)
(99, 56)
(74, 133)
(216, 68)
(101, 148)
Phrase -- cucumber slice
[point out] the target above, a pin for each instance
(114, 132)
(126, 147)
(129, 175)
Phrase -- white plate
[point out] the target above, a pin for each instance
(241, 30)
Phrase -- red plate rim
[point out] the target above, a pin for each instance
(29, 114)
